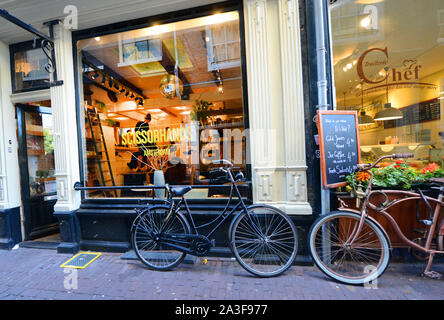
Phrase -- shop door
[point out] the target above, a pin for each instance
(38, 182)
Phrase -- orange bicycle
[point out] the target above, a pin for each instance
(352, 247)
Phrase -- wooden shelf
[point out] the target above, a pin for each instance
(35, 152)
(34, 133)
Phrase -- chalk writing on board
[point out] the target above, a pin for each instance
(340, 150)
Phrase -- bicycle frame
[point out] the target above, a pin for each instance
(383, 210)
(223, 216)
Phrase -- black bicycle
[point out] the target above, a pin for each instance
(262, 238)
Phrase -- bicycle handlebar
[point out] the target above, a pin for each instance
(402, 155)
(223, 161)
(368, 166)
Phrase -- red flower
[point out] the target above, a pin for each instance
(399, 161)
(432, 167)
(397, 166)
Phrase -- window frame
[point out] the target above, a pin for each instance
(164, 18)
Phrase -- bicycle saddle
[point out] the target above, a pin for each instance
(180, 191)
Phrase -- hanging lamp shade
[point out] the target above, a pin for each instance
(388, 113)
(364, 119)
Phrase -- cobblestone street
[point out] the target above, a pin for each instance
(36, 274)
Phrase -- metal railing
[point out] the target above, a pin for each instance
(79, 187)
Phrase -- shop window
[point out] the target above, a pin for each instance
(388, 66)
(28, 67)
(158, 109)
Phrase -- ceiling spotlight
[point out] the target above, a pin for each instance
(366, 21)
(95, 75)
(97, 39)
(139, 102)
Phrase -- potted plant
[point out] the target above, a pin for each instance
(398, 175)
(201, 111)
(159, 163)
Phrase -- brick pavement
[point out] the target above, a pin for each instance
(36, 274)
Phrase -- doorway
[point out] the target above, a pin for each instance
(37, 172)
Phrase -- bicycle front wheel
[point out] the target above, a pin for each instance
(264, 241)
(359, 262)
(146, 238)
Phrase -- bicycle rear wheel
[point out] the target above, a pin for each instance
(360, 262)
(264, 241)
(155, 253)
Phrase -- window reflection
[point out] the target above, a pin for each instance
(30, 70)
(161, 103)
(388, 66)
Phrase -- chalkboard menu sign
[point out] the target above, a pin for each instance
(416, 113)
(338, 145)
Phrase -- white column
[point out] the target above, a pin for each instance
(293, 108)
(276, 109)
(63, 105)
(9, 167)
(263, 155)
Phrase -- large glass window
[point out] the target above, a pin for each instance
(161, 103)
(388, 65)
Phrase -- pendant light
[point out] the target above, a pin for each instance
(388, 113)
(364, 119)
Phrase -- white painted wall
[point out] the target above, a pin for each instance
(9, 167)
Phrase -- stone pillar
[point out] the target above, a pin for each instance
(67, 171)
(293, 108)
(10, 200)
(275, 95)
(262, 144)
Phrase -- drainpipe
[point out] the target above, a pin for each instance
(322, 63)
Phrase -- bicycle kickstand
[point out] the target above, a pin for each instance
(431, 274)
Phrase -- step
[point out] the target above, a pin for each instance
(5, 244)
(39, 245)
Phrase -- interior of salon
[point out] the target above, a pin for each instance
(160, 104)
(389, 67)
